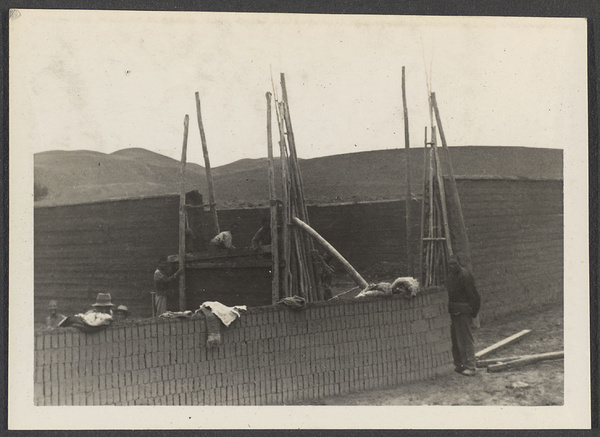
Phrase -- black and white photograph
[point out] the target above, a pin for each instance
(309, 221)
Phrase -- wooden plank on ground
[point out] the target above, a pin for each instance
(503, 343)
(525, 360)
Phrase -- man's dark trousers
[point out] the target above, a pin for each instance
(463, 345)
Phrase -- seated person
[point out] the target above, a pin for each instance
(121, 313)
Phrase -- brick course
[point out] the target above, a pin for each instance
(271, 355)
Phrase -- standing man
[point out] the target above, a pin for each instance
(463, 306)
(164, 283)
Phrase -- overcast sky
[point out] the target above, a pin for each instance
(105, 81)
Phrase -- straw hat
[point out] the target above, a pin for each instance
(122, 308)
(103, 300)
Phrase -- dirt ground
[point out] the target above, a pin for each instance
(539, 384)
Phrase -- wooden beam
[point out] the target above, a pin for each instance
(209, 179)
(182, 214)
(356, 277)
(525, 360)
(409, 258)
(273, 209)
(503, 343)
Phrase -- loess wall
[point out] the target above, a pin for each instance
(271, 355)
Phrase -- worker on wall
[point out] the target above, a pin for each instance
(463, 305)
(262, 236)
(164, 284)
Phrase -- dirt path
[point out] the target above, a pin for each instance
(544, 381)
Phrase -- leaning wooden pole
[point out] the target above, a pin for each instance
(273, 208)
(463, 237)
(409, 258)
(182, 214)
(356, 277)
(209, 179)
(440, 181)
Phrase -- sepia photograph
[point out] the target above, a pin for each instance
(259, 220)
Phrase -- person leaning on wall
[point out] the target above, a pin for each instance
(54, 319)
(463, 305)
(164, 285)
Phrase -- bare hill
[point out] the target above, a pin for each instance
(83, 176)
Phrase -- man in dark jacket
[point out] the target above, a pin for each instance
(463, 306)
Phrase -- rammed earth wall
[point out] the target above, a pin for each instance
(272, 355)
(515, 230)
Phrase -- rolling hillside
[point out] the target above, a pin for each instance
(81, 176)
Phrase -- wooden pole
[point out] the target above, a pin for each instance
(421, 249)
(490, 361)
(273, 208)
(525, 360)
(499, 345)
(409, 258)
(209, 180)
(182, 214)
(285, 211)
(463, 237)
(356, 277)
(440, 181)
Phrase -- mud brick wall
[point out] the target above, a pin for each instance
(272, 355)
(515, 230)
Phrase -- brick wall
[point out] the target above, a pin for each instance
(271, 355)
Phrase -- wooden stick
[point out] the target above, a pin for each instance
(503, 343)
(337, 296)
(345, 264)
(409, 259)
(423, 199)
(209, 180)
(431, 219)
(182, 214)
(440, 181)
(273, 208)
(455, 198)
(525, 360)
(489, 361)
(285, 211)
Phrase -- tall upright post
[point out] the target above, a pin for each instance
(209, 180)
(409, 258)
(182, 214)
(423, 202)
(273, 208)
(285, 211)
(457, 207)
